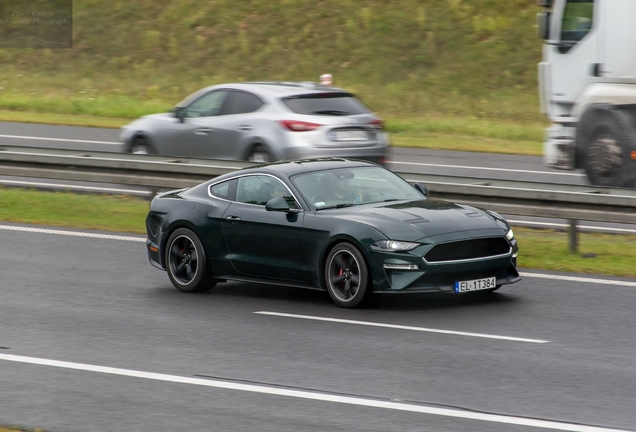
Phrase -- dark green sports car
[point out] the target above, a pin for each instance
(349, 227)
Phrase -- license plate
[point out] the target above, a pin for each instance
(348, 135)
(475, 285)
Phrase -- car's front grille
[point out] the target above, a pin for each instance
(468, 249)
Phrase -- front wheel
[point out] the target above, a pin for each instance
(186, 262)
(607, 139)
(140, 146)
(347, 276)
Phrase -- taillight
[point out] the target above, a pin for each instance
(376, 124)
(299, 126)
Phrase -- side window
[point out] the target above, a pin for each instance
(223, 190)
(578, 17)
(207, 105)
(260, 189)
(242, 102)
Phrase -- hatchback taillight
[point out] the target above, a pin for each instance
(299, 126)
(376, 124)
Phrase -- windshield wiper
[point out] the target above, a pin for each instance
(337, 206)
(331, 112)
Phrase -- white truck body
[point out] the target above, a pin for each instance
(587, 85)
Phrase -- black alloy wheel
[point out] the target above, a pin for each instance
(186, 262)
(347, 276)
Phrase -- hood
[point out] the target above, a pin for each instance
(146, 118)
(415, 220)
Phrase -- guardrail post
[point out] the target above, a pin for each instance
(574, 236)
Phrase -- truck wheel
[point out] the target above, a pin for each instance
(606, 140)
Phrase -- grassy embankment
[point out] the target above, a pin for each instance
(458, 74)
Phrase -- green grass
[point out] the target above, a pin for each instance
(608, 254)
(19, 429)
(540, 249)
(457, 74)
(110, 213)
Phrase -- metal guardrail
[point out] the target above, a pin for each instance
(570, 202)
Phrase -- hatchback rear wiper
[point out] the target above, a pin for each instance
(331, 112)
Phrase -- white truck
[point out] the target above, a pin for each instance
(587, 86)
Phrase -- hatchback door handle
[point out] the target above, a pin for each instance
(233, 218)
(203, 131)
(245, 127)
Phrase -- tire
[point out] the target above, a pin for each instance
(347, 276)
(259, 154)
(605, 140)
(140, 145)
(186, 262)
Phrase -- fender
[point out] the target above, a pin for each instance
(604, 93)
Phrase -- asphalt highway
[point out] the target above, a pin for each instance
(468, 164)
(92, 338)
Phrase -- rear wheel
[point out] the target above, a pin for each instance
(259, 154)
(186, 262)
(606, 139)
(347, 276)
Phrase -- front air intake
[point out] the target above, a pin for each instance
(468, 250)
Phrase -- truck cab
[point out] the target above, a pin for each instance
(587, 86)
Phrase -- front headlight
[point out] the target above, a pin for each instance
(510, 235)
(393, 246)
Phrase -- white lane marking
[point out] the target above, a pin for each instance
(60, 139)
(323, 397)
(401, 327)
(559, 225)
(579, 279)
(143, 239)
(72, 233)
(74, 187)
(487, 168)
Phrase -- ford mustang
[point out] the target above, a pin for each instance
(349, 227)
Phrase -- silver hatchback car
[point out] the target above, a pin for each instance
(263, 122)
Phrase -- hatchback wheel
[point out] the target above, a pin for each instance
(260, 154)
(186, 262)
(346, 276)
(140, 146)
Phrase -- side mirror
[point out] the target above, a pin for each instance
(180, 113)
(423, 189)
(279, 204)
(543, 25)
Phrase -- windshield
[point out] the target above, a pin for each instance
(352, 186)
(577, 20)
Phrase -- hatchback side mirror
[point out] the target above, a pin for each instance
(180, 113)
(423, 189)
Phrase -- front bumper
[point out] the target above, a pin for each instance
(559, 147)
(438, 277)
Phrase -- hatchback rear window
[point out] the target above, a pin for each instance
(338, 104)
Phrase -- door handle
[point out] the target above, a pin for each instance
(245, 127)
(233, 218)
(203, 131)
